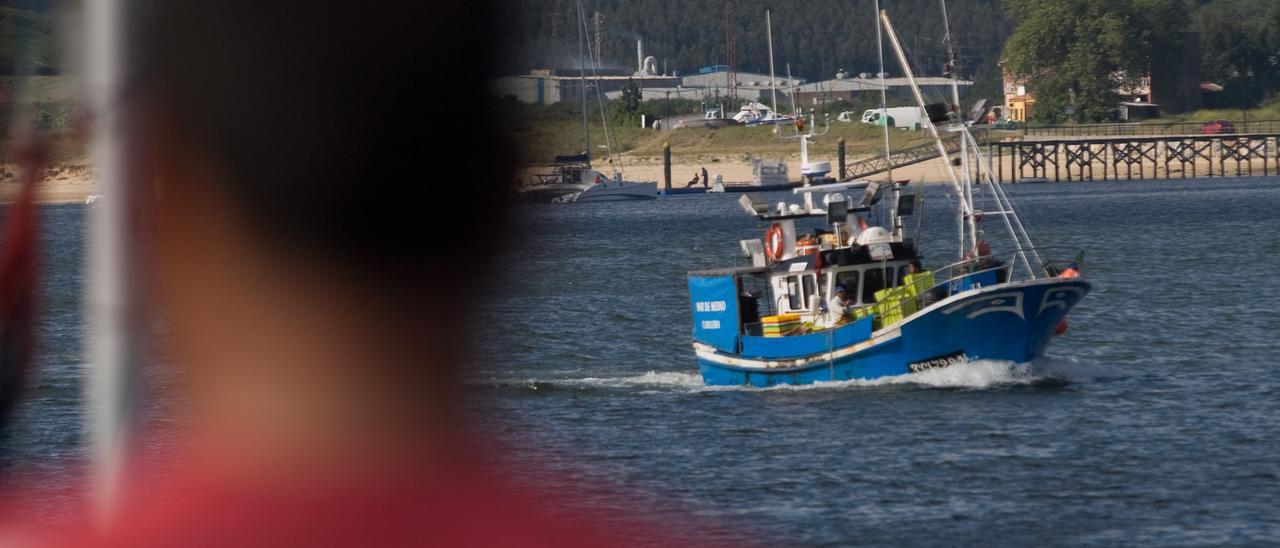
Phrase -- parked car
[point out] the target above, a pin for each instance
(1218, 127)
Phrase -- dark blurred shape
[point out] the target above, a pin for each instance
(353, 132)
(937, 112)
(18, 258)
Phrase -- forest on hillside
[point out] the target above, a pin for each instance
(817, 37)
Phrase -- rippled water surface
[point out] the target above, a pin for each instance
(1153, 421)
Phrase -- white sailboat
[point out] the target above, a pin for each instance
(572, 179)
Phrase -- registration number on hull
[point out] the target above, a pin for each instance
(938, 362)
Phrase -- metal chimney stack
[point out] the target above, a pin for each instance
(639, 56)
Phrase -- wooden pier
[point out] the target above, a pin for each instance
(1124, 158)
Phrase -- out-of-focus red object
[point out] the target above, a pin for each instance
(444, 504)
(18, 281)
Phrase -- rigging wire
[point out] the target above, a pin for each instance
(608, 139)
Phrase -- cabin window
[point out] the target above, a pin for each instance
(873, 282)
(888, 277)
(795, 299)
(810, 290)
(849, 281)
(801, 290)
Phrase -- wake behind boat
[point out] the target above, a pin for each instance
(843, 299)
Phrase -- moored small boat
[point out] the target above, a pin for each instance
(571, 179)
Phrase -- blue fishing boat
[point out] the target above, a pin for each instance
(830, 296)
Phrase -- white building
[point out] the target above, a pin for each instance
(548, 86)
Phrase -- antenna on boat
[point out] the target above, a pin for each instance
(965, 206)
(807, 170)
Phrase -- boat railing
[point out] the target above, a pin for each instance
(1045, 262)
(914, 294)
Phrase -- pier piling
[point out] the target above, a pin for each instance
(1125, 158)
(666, 165)
(840, 156)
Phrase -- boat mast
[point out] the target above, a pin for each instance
(773, 82)
(955, 102)
(595, 74)
(792, 89)
(582, 79)
(955, 67)
(894, 221)
(965, 206)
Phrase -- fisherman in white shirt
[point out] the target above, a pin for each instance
(836, 307)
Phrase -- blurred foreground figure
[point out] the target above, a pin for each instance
(309, 266)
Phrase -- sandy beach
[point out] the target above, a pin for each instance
(61, 184)
(734, 170)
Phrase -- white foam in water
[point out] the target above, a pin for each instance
(974, 375)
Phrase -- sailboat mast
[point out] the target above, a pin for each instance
(773, 83)
(894, 221)
(965, 206)
(582, 79)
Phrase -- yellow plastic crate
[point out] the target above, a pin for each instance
(780, 319)
(918, 283)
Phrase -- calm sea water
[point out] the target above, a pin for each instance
(1154, 420)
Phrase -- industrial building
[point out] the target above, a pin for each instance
(850, 89)
(549, 86)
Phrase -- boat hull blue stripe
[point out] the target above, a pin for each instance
(1012, 322)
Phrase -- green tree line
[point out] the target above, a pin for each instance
(1075, 53)
(1074, 48)
(817, 37)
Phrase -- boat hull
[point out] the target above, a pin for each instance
(730, 189)
(1009, 322)
(610, 191)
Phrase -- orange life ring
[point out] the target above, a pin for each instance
(773, 247)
